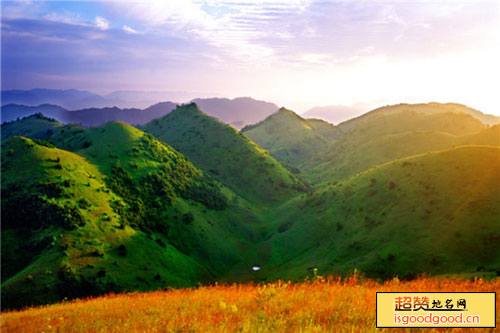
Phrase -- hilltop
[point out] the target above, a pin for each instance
(422, 108)
(229, 156)
(36, 126)
(291, 138)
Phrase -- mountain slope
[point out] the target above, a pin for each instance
(123, 211)
(63, 236)
(435, 213)
(290, 138)
(489, 136)
(427, 109)
(226, 154)
(387, 136)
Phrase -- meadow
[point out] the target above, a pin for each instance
(322, 304)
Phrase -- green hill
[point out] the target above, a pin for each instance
(62, 235)
(436, 213)
(229, 156)
(159, 184)
(122, 212)
(427, 109)
(385, 136)
(36, 126)
(290, 138)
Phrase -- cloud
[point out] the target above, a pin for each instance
(66, 17)
(21, 8)
(129, 30)
(101, 23)
(235, 27)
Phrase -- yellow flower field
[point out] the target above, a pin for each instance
(323, 305)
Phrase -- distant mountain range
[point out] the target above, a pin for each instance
(88, 117)
(237, 112)
(73, 99)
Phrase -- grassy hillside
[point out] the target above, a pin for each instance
(62, 235)
(290, 138)
(435, 213)
(36, 126)
(410, 120)
(129, 213)
(489, 136)
(229, 156)
(428, 109)
(388, 136)
(151, 176)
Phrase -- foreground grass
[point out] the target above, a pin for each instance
(331, 305)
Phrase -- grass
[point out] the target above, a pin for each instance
(227, 155)
(435, 213)
(384, 138)
(148, 217)
(321, 305)
(290, 138)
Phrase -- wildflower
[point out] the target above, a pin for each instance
(222, 305)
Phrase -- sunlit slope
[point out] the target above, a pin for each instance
(385, 137)
(140, 217)
(434, 213)
(62, 237)
(227, 155)
(290, 138)
(347, 158)
(422, 108)
(36, 126)
(166, 193)
(489, 136)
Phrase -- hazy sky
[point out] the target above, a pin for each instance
(295, 53)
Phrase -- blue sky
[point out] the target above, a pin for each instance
(295, 53)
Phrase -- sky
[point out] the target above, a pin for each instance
(297, 53)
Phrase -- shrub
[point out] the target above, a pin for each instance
(188, 218)
(43, 143)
